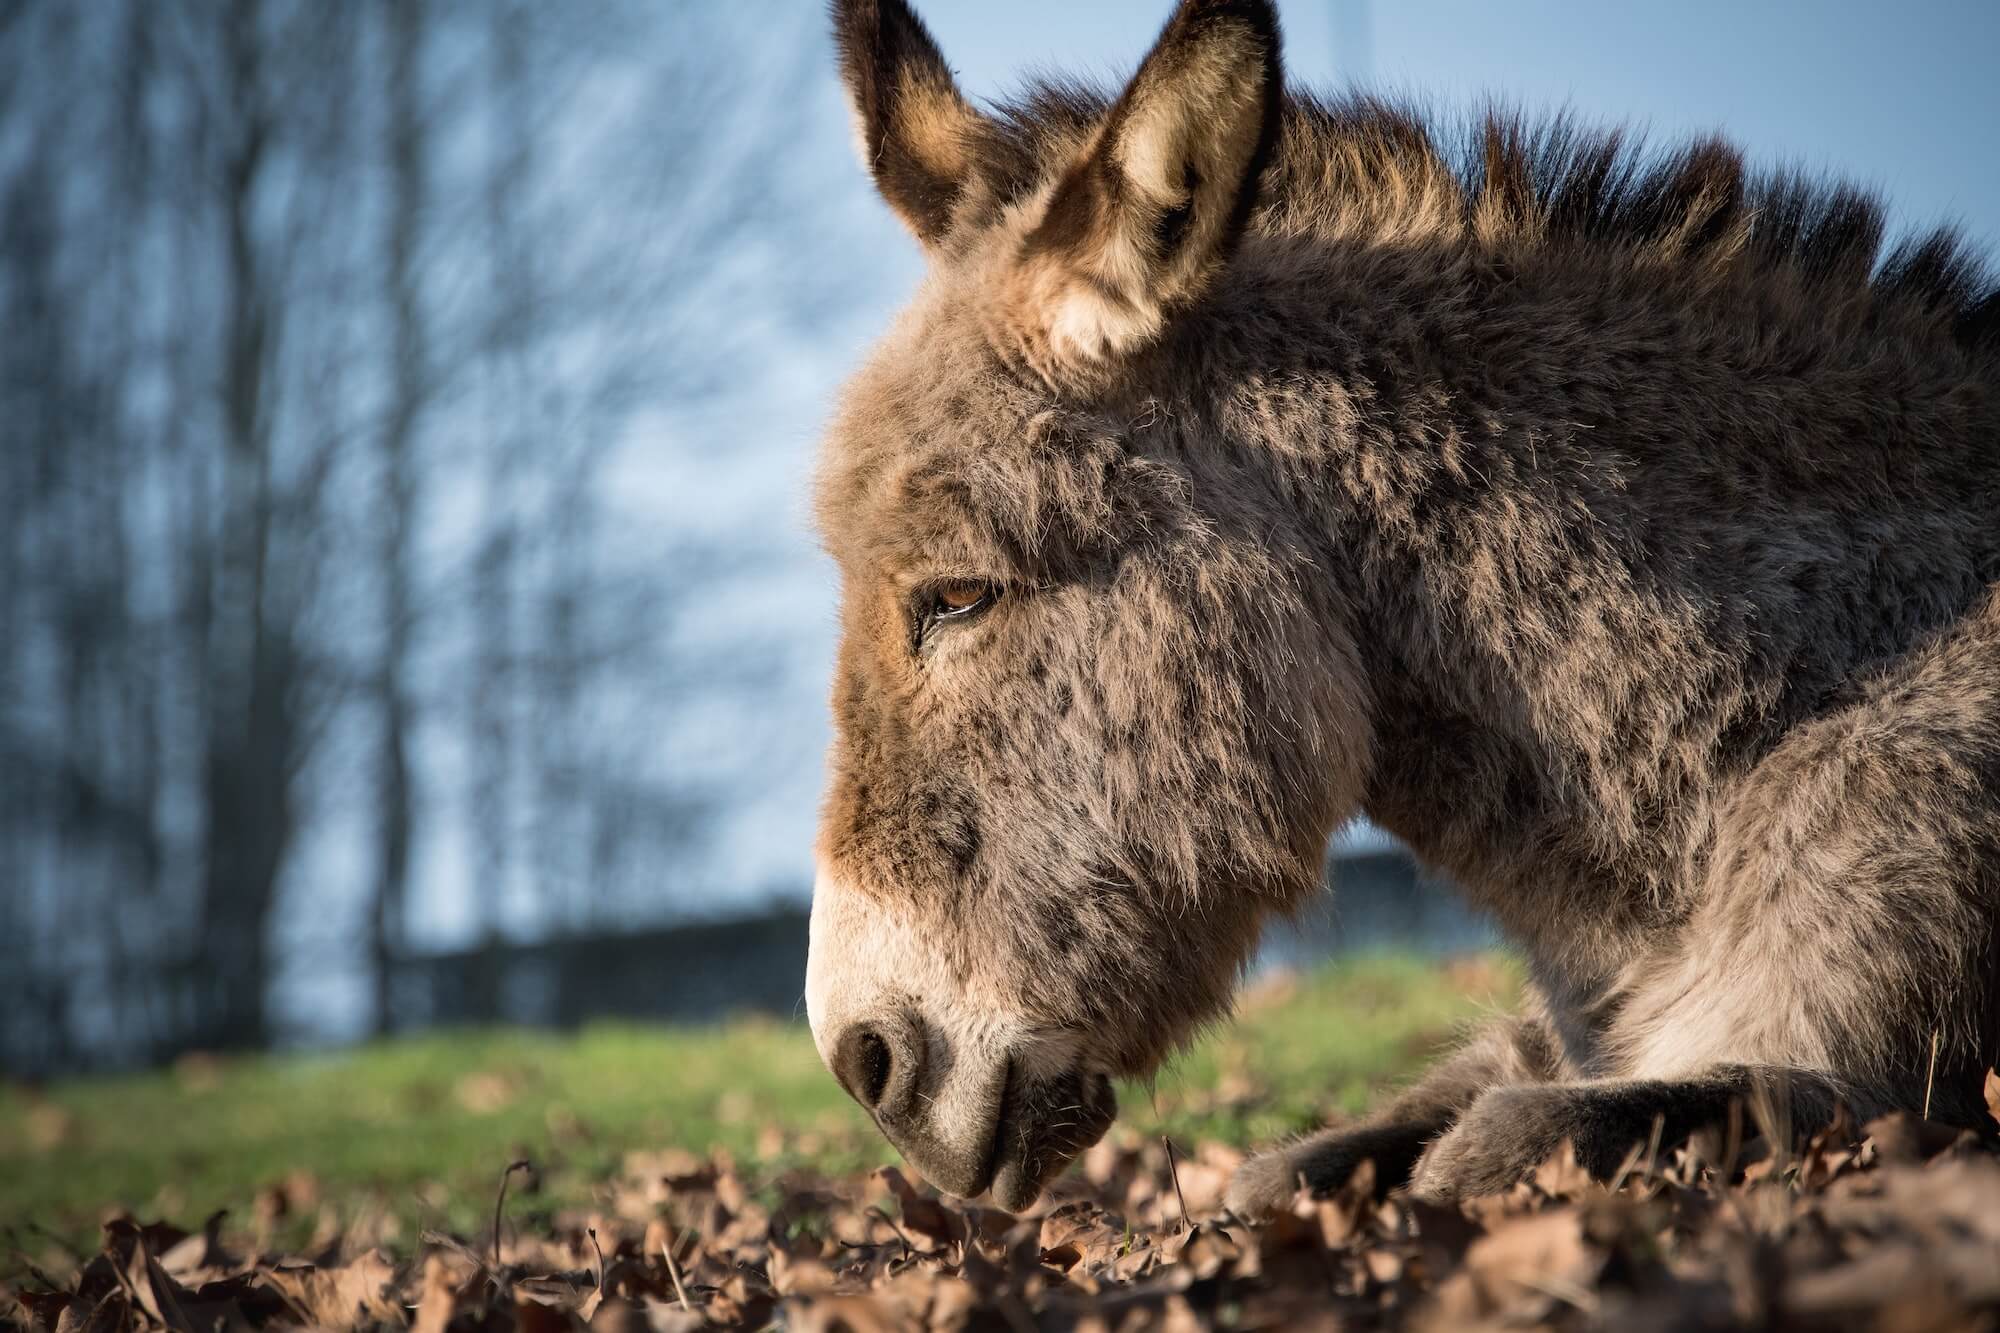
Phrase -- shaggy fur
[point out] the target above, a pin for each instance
(1620, 529)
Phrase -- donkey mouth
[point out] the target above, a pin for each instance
(1038, 1128)
(1043, 1124)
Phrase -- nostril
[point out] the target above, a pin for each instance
(864, 1063)
(872, 1073)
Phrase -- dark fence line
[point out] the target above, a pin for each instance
(691, 972)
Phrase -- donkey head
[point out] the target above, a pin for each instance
(1095, 714)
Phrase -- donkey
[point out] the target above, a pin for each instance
(1619, 528)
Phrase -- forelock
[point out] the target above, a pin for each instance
(940, 449)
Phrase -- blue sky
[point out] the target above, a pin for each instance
(1905, 97)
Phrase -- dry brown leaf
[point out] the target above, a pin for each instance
(345, 1296)
(1530, 1263)
(45, 1308)
(847, 1314)
(154, 1292)
(1904, 1138)
(1563, 1177)
(1830, 1236)
(438, 1301)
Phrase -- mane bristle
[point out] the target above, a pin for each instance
(1355, 164)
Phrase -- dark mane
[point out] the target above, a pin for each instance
(1354, 163)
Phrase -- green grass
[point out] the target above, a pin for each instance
(420, 1128)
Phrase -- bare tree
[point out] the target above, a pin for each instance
(325, 338)
(409, 365)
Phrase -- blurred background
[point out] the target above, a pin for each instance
(408, 613)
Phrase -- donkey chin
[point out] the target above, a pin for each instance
(973, 1095)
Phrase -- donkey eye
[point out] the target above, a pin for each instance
(962, 598)
(954, 600)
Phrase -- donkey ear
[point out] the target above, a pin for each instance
(918, 135)
(1144, 221)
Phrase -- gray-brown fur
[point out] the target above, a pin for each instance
(1622, 531)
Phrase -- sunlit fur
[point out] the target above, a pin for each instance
(1617, 527)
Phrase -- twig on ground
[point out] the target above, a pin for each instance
(1930, 1077)
(1771, 1109)
(1732, 1143)
(600, 1259)
(1653, 1147)
(673, 1265)
(908, 1249)
(1562, 1289)
(1175, 1171)
(1626, 1167)
(458, 1247)
(500, 1204)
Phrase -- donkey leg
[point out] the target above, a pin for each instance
(1394, 1137)
(1323, 1162)
(1508, 1132)
(1844, 925)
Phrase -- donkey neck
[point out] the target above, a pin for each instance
(1600, 543)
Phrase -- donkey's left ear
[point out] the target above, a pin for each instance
(1144, 221)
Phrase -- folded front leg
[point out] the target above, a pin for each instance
(1508, 1132)
(1321, 1163)
(1396, 1136)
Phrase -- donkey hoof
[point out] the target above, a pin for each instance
(1263, 1187)
(1497, 1143)
(1325, 1164)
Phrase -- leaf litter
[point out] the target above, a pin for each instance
(1893, 1225)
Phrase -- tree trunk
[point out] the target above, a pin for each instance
(395, 792)
(251, 733)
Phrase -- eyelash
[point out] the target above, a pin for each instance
(932, 612)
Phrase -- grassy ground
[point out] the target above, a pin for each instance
(421, 1128)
